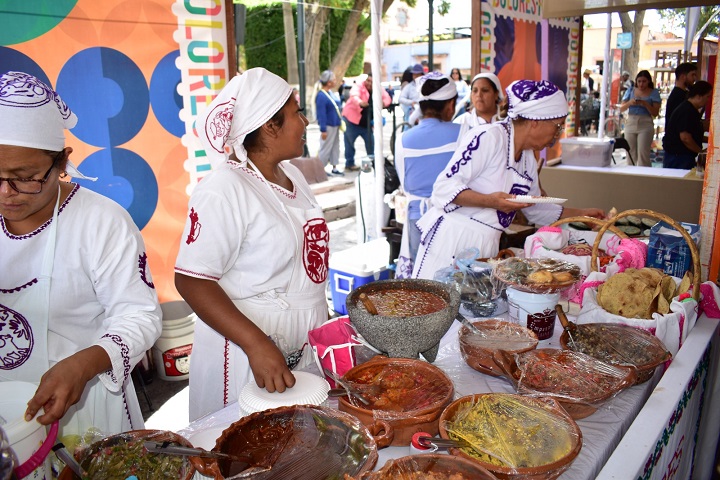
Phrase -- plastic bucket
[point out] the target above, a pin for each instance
(29, 440)
(171, 352)
(535, 311)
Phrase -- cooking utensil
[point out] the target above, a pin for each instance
(350, 390)
(567, 325)
(240, 463)
(473, 329)
(454, 443)
(369, 305)
(67, 458)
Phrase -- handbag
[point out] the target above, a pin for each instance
(343, 127)
(333, 345)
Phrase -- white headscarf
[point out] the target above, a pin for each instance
(446, 92)
(494, 79)
(33, 115)
(243, 106)
(536, 100)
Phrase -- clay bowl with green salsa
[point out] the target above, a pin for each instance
(413, 315)
(122, 455)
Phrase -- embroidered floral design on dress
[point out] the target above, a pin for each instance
(125, 352)
(144, 272)
(195, 227)
(505, 219)
(316, 251)
(16, 339)
(17, 289)
(466, 156)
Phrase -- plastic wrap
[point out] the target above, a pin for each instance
(430, 467)
(542, 275)
(618, 345)
(481, 295)
(297, 440)
(580, 382)
(399, 388)
(122, 455)
(516, 436)
(478, 349)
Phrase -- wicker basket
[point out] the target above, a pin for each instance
(594, 221)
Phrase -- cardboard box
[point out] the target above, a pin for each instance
(357, 266)
(668, 250)
(587, 151)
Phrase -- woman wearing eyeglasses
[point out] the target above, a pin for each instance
(472, 197)
(78, 308)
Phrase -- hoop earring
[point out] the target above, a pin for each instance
(64, 175)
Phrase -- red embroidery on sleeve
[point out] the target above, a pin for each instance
(194, 227)
(316, 251)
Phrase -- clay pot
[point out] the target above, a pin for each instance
(83, 457)
(404, 424)
(326, 437)
(549, 471)
(404, 336)
(581, 406)
(649, 344)
(478, 352)
(439, 464)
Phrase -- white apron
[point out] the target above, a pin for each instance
(406, 258)
(285, 316)
(24, 353)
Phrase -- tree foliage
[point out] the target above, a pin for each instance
(632, 55)
(674, 18)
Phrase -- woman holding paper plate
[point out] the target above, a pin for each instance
(491, 175)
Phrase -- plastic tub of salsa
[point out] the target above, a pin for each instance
(478, 349)
(409, 394)
(412, 315)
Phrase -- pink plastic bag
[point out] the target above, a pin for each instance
(333, 344)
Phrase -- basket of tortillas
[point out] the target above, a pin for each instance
(645, 298)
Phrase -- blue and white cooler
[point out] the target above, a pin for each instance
(357, 266)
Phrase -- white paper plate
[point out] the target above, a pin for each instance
(309, 389)
(531, 199)
(206, 438)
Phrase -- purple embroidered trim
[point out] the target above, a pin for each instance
(124, 351)
(505, 219)
(454, 207)
(434, 229)
(466, 155)
(226, 372)
(142, 265)
(41, 227)
(291, 195)
(195, 274)
(486, 224)
(127, 410)
(17, 289)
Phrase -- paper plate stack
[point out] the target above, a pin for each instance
(309, 389)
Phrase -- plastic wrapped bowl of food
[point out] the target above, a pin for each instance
(431, 466)
(409, 394)
(579, 382)
(296, 439)
(478, 349)
(537, 275)
(513, 436)
(122, 455)
(618, 345)
(412, 315)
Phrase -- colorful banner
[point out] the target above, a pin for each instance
(511, 46)
(136, 73)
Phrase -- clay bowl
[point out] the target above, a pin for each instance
(544, 414)
(577, 377)
(85, 456)
(619, 345)
(496, 334)
(404, 336)
(417, 408)
(440, 465)
(297, 439)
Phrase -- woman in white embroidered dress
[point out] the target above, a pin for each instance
(494, 163)
(486, 96)
(78, 308)
(254, 254)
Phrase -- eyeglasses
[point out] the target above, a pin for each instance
(31, 186)
(558, 131)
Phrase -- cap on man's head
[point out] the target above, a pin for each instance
(625, 72)
(418, 69)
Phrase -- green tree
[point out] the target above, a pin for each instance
(635, 26)
(709, 19)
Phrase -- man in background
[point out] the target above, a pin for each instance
(588, 81)
(685, 77)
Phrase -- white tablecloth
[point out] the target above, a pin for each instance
(602, 431)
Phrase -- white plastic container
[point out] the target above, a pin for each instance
(25, 438)
(357, 266)
(171, 352)
(587, 151)
(535, 311)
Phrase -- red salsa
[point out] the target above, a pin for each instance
(406, 303)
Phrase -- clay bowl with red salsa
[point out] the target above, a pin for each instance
(409, 394)
(430, 466)
(413, 315)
